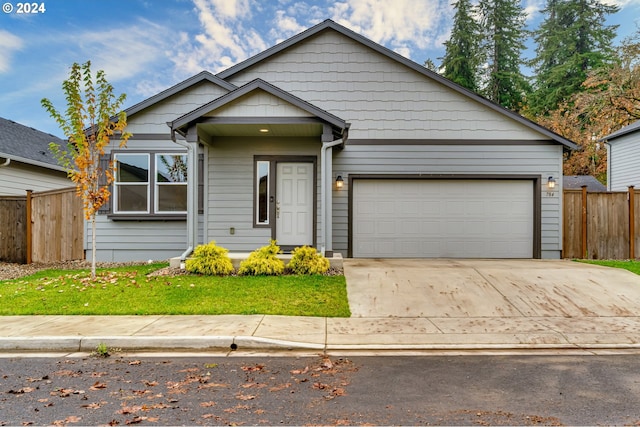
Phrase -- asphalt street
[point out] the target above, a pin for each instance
(398, 390)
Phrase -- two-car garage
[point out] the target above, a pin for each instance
(444, 218)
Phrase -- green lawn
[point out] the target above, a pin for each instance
(128, 290)
(632, 266)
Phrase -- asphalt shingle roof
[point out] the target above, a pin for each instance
(575, 182)
(27, 144)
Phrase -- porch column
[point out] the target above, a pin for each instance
(192, 190)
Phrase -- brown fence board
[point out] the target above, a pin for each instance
(57, 223)
(13, 229)
(608, 224)
(572, 224)
(57, 227)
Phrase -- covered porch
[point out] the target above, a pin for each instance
(267, 170)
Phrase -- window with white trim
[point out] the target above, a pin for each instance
(262, 192)
(150, 183)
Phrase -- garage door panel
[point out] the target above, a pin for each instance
(443, 218)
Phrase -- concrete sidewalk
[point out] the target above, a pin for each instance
(258, 332)
(396, 305)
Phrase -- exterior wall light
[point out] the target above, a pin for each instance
(551, 183)
(339, 182)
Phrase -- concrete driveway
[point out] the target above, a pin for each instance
(489, 288)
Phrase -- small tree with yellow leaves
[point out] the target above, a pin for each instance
(91, 119)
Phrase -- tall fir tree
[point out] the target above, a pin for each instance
(503, 25)
(460, 61)
(571, 41)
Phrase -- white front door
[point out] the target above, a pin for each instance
(294, 204)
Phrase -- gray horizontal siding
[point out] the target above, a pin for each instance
(543, 160)
(624, 159)
(17, 178)
(137, 240)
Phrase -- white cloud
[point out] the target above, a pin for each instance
(285, 26)
(124, 52)
(398, 24)
(8, 44)
(226, 37)
(532, 8)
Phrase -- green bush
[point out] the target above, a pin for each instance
(307, 260)
(263, 261)
(210, 259)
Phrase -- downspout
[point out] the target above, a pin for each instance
(192, 199)
(6, 162)
(325, 176)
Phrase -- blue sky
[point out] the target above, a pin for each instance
(145, 46)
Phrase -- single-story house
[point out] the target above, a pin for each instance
(576, 182)
(623, 158)
(331, 140)
(26, 163)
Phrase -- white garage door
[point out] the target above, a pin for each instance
(398, 218)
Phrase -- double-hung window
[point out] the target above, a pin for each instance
(150, 183)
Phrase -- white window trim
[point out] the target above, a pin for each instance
(156, 198)
(257, 191)
(152, 185)
(116, 185)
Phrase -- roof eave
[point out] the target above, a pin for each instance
(191, 81)
(32, 162)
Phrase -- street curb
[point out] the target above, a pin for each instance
(231, 343)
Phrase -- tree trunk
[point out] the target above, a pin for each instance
(93, 247)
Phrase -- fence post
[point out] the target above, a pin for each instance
(632, 223)
(29, 228)
(583, 247)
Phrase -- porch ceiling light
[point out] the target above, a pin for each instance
(264, 130)
(551, 183)
(339, 182)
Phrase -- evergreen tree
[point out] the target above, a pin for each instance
(571, 41)
(460, 62)
(503, 24)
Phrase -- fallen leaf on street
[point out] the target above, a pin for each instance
(98, 386)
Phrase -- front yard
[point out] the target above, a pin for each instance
(136, 290)
(631, 265)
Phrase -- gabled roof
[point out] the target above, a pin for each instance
(331, 25)
(191, 81)
(258, 84)
(633, 127)
(27, 145)
(576, 182)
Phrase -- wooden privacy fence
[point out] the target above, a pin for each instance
(41, 227)
(601, 225)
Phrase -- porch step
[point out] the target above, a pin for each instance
(237, 257)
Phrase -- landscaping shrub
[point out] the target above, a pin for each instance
(209, 259)
(263, 261)
(307, 260)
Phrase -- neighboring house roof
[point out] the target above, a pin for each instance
(633, 127)
(27, 145)
(576, 182)
(329, 24)
(191, 81)
(259, 84)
